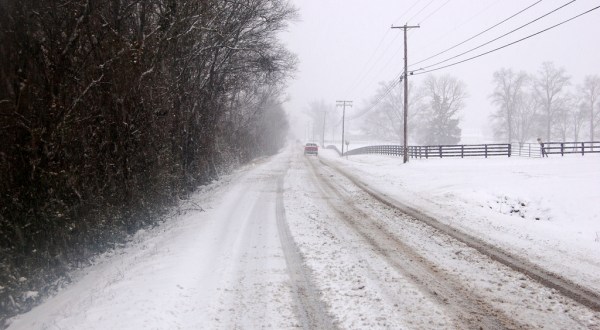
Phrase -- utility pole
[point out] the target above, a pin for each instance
(323, 136)
(343, 104)
(405, 28)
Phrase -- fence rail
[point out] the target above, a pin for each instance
(526, 150)
(438, 151)
(555, 148)
(562, 148)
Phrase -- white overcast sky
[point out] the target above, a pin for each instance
(346, 47)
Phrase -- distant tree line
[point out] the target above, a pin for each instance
(110, 110)
(432, 116)
(545, 104)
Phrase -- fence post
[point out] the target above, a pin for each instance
(562, 149)
(486, 151)
(462, 151)
(509, 149)
(440, 151)
(582, 148)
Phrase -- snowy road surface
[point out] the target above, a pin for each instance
(290, 242)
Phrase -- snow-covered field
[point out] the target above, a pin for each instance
(287, 243)
(547, 209)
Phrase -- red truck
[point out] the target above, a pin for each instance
(311, 149)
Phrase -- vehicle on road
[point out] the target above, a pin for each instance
(311, 149)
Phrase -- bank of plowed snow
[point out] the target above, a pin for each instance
(545, 209)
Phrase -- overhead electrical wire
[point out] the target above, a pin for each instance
(478, 34)
(396, 80)
(435, 11)
(395, 55)
(509, 44)
(406, 11)
(469, 19)
(497, 38)
(367, 68)
(370, 68)
(388, 89)
(413, 16)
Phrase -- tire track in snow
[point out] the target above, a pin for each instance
(468, 311)
(310, 309)
(567, 288)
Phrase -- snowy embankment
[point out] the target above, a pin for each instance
(546, 210)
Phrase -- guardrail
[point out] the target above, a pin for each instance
(438, 151)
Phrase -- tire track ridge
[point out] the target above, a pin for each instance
(567, 288)
(471, 312)
(310, 309)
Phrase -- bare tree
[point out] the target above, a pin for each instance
(590, 96)
(526, 113)
(565, 112)
(111, 110)
(386, 120)
(444, 98)
(507, 95)
(578, 119)
(549, 87)
(321, 116)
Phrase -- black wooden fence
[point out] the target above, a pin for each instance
(480, 150)
(562, 148)
(438, 151)
(555, 148)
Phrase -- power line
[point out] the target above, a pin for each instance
(366, 72)
(478, 34)
(400, 48)
(388, 89)
(509, 44)
(396, 80)
(406, 11)
(469, 19)
(436, 10)
(366, 68)
(427, 5)
(502, 36)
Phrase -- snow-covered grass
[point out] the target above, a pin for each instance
(546, 209)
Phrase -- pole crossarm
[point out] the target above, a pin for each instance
(405, 28)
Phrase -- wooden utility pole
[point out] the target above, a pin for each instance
(343, 104)
(405, 28)
(323, 136)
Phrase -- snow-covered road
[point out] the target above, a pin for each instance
(223, 265)
(290, 242)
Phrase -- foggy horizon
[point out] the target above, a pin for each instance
(346, 49)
